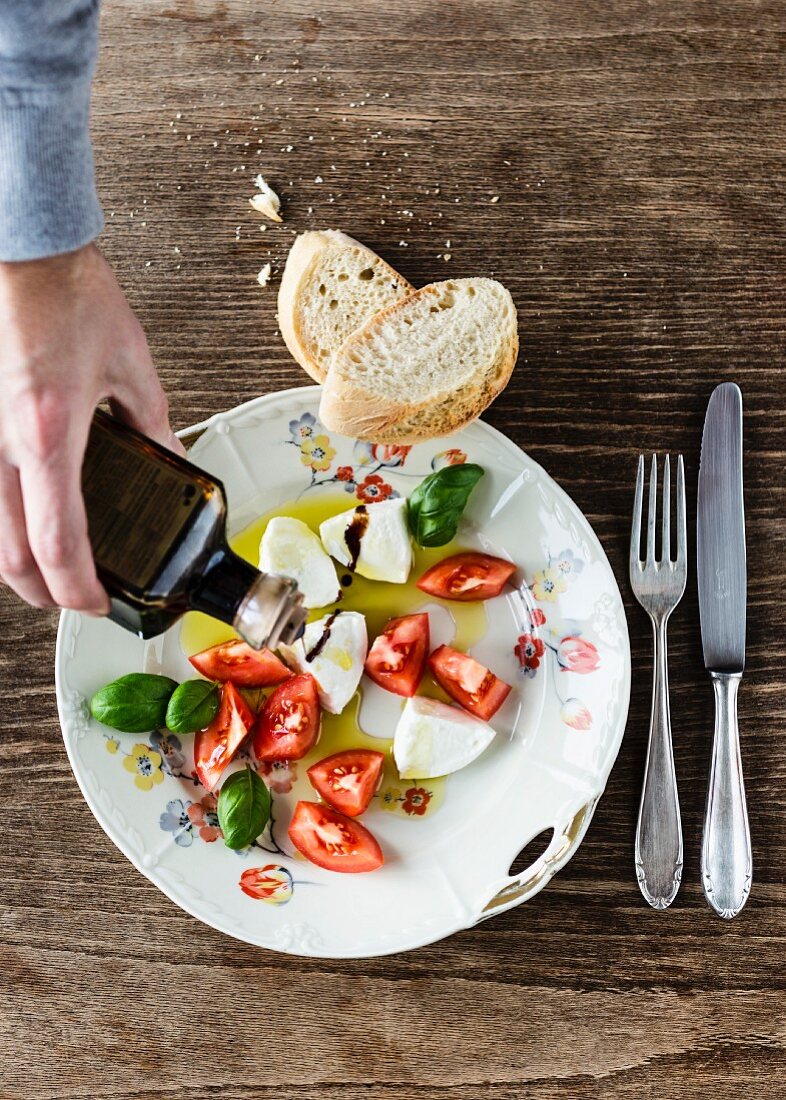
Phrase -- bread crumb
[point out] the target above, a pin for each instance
(264, 275)
(267, 201)
(447, 256)
(318, 179)
(494, 198)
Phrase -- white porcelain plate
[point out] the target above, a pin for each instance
(560, 639)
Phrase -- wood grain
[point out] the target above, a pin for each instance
(637, 151)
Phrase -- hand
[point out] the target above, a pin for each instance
(68, 339)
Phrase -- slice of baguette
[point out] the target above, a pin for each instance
(425, 366)
(331, 286)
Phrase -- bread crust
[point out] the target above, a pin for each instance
(303, 257)
(348, 409)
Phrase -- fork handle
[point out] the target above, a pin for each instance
(726, 860)
(658, 851)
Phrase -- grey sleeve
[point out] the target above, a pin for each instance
(48, 200)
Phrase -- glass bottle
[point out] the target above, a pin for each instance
(157, 526)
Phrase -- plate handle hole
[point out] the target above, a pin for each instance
(531, 852)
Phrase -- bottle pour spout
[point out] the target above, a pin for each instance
(271, 613)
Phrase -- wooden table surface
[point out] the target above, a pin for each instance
(636, 147)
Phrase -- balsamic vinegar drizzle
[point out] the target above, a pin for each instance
(355, 533)
(322, 641)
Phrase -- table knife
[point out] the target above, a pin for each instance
(726, 861)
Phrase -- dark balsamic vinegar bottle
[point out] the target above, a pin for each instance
(157, 526)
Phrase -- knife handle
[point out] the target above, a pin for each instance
(658, 852)
(726, 860)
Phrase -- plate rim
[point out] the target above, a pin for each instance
(551, 867)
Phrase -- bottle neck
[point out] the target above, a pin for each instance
(264, 609)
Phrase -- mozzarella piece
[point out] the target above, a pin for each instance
(291, 549)
(385, 545)
(338, 664)
(434, 739)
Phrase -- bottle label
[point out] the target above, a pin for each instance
(137, 506)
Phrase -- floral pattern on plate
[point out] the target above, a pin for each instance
(565, 652)
(188, 820)
(361, 478)
(412, 801)
(271, 883)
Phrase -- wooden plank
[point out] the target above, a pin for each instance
(637, 152)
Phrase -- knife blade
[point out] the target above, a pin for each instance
(720, 535)
(726, 859)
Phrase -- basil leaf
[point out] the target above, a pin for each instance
(436, 506)
(193, 706)
(243, 808)
(135, 703)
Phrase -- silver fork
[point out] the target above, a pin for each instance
(658, 585)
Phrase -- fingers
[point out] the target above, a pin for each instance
(137, 397)
(67, 339)
(18, 567)
(54, 512)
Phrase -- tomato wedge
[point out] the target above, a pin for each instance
(216, 746)
(470, 576)
(397, 659)
(238, 662)
(347, 780)
(332, 840)
(288, 724)
(468, 681)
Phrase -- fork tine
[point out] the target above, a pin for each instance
(665, 546)
(635, 531)
(652, 511)
(682, 534)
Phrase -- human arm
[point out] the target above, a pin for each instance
(68, 338)
(48, 200)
